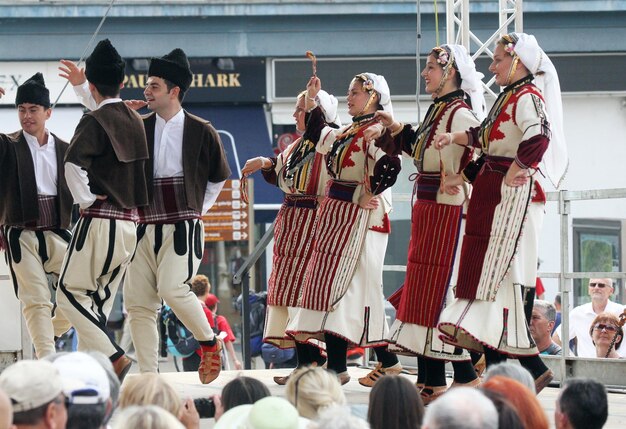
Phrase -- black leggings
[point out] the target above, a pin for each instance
(533, 364)
(337, 352)
(308, 354)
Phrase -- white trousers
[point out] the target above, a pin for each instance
(31, 255)
(93, 269)
(167, 257)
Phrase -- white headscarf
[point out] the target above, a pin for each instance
(471, 80)
(380, 86)
(547, 80)
(328, 103)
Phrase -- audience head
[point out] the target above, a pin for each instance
(114, 381)
(513, 371)
(240, 391)
(6, 411)
(146, 417)
(557, 302)
(603, 328)
(150, 389)
(395, 403)
(267, 413)
(312, 389)
(523, 400)
(507, 414)
(542, 322)
(35, 389)
(582, 404)
(87, 389)
(200, 285)
(461, 408)
(338, 417)
(600, 290)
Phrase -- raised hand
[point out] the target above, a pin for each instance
(313, 87)
(70, 71)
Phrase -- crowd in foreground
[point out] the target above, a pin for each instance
(81, 390)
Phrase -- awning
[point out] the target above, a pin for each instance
(245, 134)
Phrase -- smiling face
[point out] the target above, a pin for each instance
(358, 98)
(157, 95)
(33, 117)
(501, 65)
(432, 74)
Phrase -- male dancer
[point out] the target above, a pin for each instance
(35, 211)
(105, 170)
(187, 168)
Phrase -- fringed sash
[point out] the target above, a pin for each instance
(339, 237)
(293, 246)
(495, 222)
(434, 238)
(169, 204)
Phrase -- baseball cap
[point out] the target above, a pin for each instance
(84, 380)
(270, 412)
(30, 384)
(211, 300)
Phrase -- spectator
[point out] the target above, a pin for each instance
(36, 392)
(581, 317)
(311, 389)
(557, 306)
(395, 403)
(201, 287)
(114, 382)
(507, 414)
(222, 325)
(541, 326)
(522, 398)
(461, 408)
(604, 328)
(515, 372)
(582, 404)
(86, 387)
(239, 391)
(146, 417)
(338, 417)
(268, 413)
(6, 412)
(152, 389)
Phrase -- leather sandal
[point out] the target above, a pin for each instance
(370, 379)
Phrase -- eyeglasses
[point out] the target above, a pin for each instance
(600, 285)
(607, 328)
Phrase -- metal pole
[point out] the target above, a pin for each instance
(564, 282)
(418, 51)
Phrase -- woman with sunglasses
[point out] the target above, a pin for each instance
(299, 171)
(450, 77)
(607, 334)
(342, 300)
(498, 266)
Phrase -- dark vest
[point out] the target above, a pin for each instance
(203, 157)
(18, 185)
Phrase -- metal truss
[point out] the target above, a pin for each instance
(458, 31)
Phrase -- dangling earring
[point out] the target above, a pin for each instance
(512, 70)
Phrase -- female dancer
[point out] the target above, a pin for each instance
(300, 172)
(498, 265)
(342, 298)
(450, 76)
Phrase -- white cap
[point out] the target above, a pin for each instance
(270, 412)
(84, 380)
(379, 84)
(30, 384)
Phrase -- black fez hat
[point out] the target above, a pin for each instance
(104, 65)
(173, 67)
(33, 91)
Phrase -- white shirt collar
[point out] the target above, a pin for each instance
(177, 119)
(109, 101)
(33, 142)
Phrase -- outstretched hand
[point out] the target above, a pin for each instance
(384, 118)
(253, 165)
(70, 71)
(136, 104)
(442, 140)
(373, 132)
